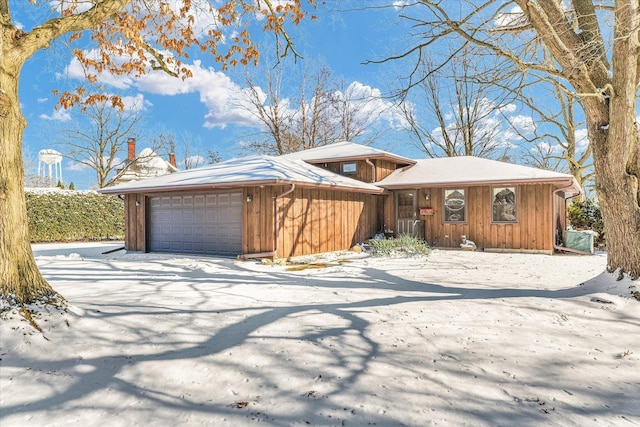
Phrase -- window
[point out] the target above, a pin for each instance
(455, 206)
(504, 204)
(350, 168)
(405, 206)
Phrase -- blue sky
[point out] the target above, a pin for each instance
(195, 109)
(200, 111)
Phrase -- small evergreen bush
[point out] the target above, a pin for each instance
(586, 215)
(62, 215)
(402, 245)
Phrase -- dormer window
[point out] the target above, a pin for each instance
(349, 168)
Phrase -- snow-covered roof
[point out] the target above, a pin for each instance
(246, 171)
(151, 160)
(470, 170)
(345, 151)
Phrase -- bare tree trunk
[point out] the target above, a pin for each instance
(615, 141)
(19, 274)
(618, 204)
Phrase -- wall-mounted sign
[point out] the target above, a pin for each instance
(426, 211)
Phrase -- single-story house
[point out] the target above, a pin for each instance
(332, 197)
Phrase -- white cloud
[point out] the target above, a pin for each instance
(217, 91)
(512, 19)
(371, 107)
(399, 4)
(546, 148)
(582, 140)
(135, 103)
(227, 102)
(77, 167)
(524, 124)
(81, 6)
(194, 161)
(76, 71)
(506, 109)
(202, 17)
(59, 115)
(42, 100)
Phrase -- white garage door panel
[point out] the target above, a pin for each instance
(210, 223)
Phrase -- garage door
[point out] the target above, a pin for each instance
(200, 223)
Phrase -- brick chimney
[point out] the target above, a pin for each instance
(131, 149)
(172, 159)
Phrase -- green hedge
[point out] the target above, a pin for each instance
(64, 215)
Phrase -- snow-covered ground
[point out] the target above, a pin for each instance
(457, 338)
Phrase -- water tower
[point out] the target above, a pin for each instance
(54, 160)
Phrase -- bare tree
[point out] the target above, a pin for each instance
(323, 110)
(543, 156)
(130, 37)
(554, 134)
(31, 177)
(99, 141)
(457, 98)
(185, 147)
(213, 157)
(358, 112)
(600, 66)
(291, 125)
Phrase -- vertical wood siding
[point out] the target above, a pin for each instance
(135, 222)
(533, 230)
(311, 220)
(320, 220)
(384, 168)
(258, 228)
(364, 173)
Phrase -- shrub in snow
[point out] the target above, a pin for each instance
(402, 245)
(64, 215)
(585, 215)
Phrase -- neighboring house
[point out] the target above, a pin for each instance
(147, 164)
(332, 197)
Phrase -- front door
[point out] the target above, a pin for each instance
(407, 214)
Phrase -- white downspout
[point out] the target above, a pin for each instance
(555, 211)
(373, 169)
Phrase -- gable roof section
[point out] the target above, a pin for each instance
(468, 170)
(245, 171)
(149, 159)
(344, 151)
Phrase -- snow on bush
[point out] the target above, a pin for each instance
(65, 215)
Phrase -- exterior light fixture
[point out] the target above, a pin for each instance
(249, 198)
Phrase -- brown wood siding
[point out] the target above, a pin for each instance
(135, 222)
(384, 168)
(311, 220)
(534, 229)
(365, 172)
(258, 228)
(389, 213)
(320, 220)
(560, 215)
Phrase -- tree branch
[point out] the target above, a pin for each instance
(159, 64)
(42, 36)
